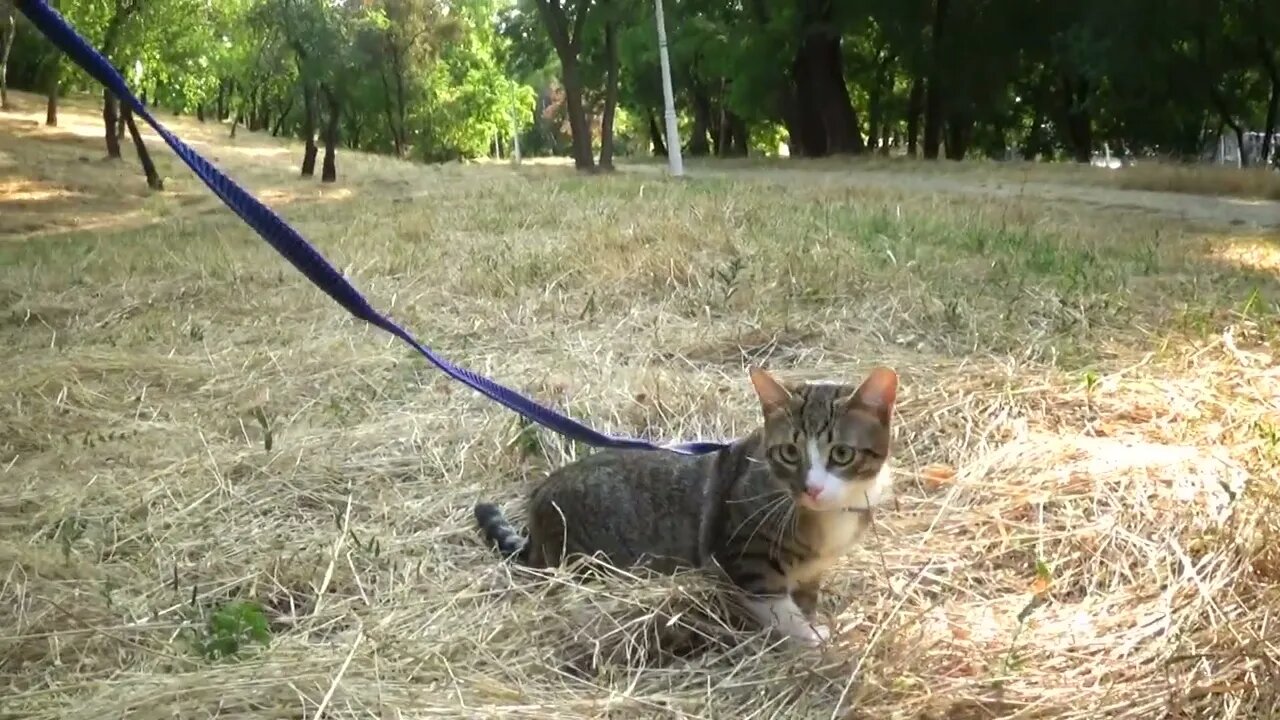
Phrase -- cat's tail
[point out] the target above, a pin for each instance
(499, 532)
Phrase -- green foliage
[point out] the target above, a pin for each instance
(443, 79)
(469, 95)
(231, 628)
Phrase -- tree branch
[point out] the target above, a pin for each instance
(553, 17)
(579, 22)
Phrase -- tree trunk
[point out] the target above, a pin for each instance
(734, 136)
(388, 112)
(402, 109)
(881, 85)
(821, 90)
(844, 133)
(579, 128)
(8, 31)
(225, 89)
(110, 107)
(741, 146)
(329, 172)
(1238, 130)
(568, 42)
(698, 144)
(284, 115)
(959, 133)
(810, 133)
(655, 136)
(264, 112)
(1273, 110)
(795, 129)
(721, 133)
(915, 106)
(52, 83)
(251, 109)
(1210, 80)
(353, 127)
(1268, 57)
(153, 178)
(309, 130)
(110, 118)
(610, 94)
(934, 92)
(1079, 124)
(200, 112)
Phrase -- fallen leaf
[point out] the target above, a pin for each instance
(1044, 579)
(1039, 586)
(938, 475)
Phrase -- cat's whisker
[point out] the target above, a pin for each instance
(763, 508)
(765, 494)
(875, 532)
(772, 508)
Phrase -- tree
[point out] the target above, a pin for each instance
(8, 30)
(121, 13)
(148, 168)
(565, 30)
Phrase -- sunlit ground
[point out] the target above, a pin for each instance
(1087, 441)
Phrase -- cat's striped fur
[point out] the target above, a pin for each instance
(774, 510)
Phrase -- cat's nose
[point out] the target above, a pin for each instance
(813, 492)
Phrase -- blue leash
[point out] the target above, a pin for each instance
(305, 258)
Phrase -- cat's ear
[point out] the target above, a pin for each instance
(878, 392)
(773, 396)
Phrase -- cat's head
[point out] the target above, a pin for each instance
(827, 443)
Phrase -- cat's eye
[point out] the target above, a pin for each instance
(841, 455)
(787, 454)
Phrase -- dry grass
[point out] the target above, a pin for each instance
(188, 423)
(1260, 183)
(1152, 175)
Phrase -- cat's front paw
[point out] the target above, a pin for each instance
(812, 634)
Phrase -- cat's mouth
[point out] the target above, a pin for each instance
(823, 502)
(857, 496)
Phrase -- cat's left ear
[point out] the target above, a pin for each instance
(878, 393)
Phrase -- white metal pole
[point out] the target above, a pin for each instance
(675, 164)
(515, 133)
(515, 138)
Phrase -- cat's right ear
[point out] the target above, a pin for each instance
(773, 396)
(879, 392)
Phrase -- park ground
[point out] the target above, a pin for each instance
(224, 497)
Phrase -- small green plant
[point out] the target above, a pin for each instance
(1252, 304)
(1269, 433)
(1091, 380)
(1149, 255)
(952, 315)
(268, 438)
(526, 441)
(589, 309)
(727, 276)
(1039, 596)
(231, 628)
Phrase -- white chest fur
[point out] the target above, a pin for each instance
(832, 538)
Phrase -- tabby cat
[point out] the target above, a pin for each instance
(773, 510)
